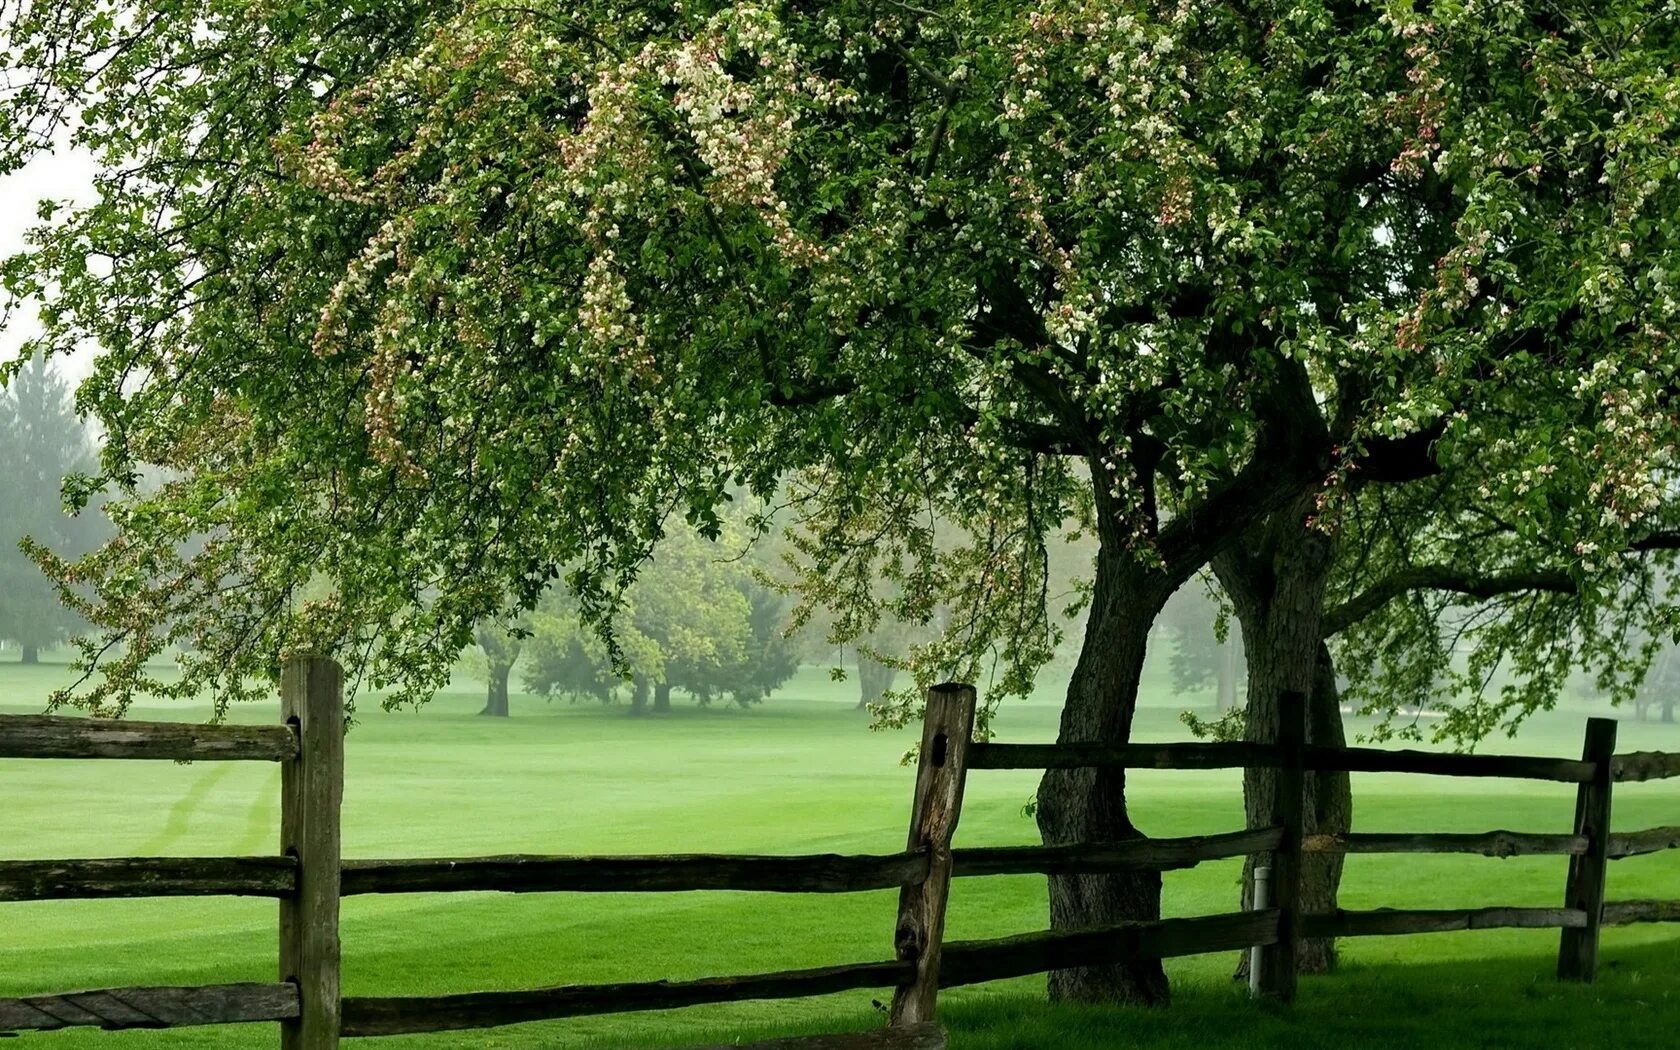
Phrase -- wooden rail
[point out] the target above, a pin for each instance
(1486, 843)
(1133, 855)
(1634, 843)
(1622, 913)
(34, 880)
(1645, 765)
(52, 736)
(1250, 755)
(1390, 921)
(115, 1008)
(447, 1013)
(815, 873)
(1448, 764)
(973, 962)
(1127, 756)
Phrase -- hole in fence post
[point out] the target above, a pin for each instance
(1260, 900)
(940, 745)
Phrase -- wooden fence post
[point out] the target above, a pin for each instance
(1578, 949)
(311, 791)
(1278, 961)
(947, 728)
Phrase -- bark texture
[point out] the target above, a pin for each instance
(1276, 579)
(1089, 805)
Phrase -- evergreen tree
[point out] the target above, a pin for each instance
(44, 442)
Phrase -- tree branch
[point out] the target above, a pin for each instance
(1442, 578)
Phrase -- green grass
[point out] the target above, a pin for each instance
(799, 774)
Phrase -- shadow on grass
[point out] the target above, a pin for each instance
(1502, 1002)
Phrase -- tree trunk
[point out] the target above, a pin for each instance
(639, 695)
(1089, 805)
(1276, 579)
(31, 654)
(501, 652)
(874, 679)
(662, 698)
(496, 694)
(1668, 711)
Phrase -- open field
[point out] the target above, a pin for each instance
(799, 774)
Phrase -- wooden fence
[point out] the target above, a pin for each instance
(309, 878)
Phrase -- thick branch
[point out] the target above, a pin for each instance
(1291, 453)
(1469, 583)
(1442, 578)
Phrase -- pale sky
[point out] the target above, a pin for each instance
(63, 175)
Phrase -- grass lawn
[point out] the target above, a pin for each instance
(798, 774)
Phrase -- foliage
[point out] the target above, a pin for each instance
(435, 301)
(698, 618)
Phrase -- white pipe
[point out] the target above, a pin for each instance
(1262, 898)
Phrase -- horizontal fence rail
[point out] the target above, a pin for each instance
(974, 962)
(53, 736)
(1390, 921)
(1623, 913)
(1486, 843)
(1267, 756)
(1096, 858)
(1129, 756)
(1636, 843)
(1448, 764)
(33, 880)
(445, 1013)
(817, 873)
(116, 1008)
(1645, 765)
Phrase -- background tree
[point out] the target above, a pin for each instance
(502, 643)
(698, 618)
(43, 447)
(1205, 652)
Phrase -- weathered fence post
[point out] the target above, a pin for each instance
(941, 768)
(311, 791)
(1578, 949)
(1278, 961)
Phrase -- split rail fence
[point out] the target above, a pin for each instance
(308, 877)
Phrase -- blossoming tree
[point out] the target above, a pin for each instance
(433, 303)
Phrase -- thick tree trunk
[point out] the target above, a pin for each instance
(639, 696)
(31, 654)
(874, 679)
(1089, 805)
(1276, 580)
(662, 698)
(1668, 710)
